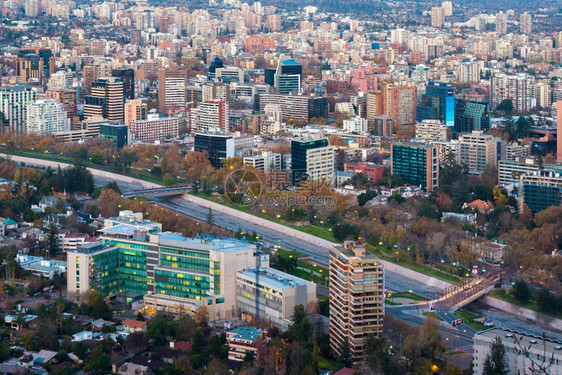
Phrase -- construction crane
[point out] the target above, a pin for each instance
(258, 253)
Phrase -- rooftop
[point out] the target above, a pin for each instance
(246, 333)
(277, 279)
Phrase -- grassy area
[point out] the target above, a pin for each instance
(391, 302)
(531, 305)
(433, 314)
(467, 318)
(321, 297)
(290, 253)
(309, 277)
(327, 364)
(406, 295)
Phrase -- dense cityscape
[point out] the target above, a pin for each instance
(281, 187)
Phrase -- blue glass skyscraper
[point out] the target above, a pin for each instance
(438, 103)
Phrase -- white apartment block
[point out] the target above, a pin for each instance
(521, 351)
(154, 128)
(320, 163)
(13, 104)
(431, 130)
(46, 117)
(477, 150)
(265, 162)
(515, 87)
(469, 72)
(356, 124)
(61, 79)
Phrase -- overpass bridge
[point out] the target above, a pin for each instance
(158, 192)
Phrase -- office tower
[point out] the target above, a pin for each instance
(559, 130)
(382, 126)
(437, 17)
(447, 8)
(471, 115)
(525, 23)
(127, 76)
(219, 146)
(431, 130)
(67, 97)
(311, 159)
(400, 102)
(230, 74)
(13, 105)
(135, 110)
(501, 23)
(477, 151)
(356, 298)
(175, 274)
(118, 133)
(30, 68)
(215, 64)
(46, 117)
(287, 77)
(45, 56)
(212, 115)
(517, 88)
(105, 100)
(416, 163)
(296, 107)
(279, 293)
(441, 96)
(155, 127)
(172, 84)
(355, 124)
(469, 72)
(374, 105)
(541, 189)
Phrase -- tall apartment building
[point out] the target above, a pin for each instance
(501, 23)
(477, 150)
(471, 115)
(382, 126)
(219, 146)
(469, 72)
(135, 110)
(416, 163)
(375, 106)
(105, 99)
(61, 80)
(311, 159)
(356, 298)
(13, 105)
(517, 361)
(278, 294)
(175, 274)
(525, 23)
(400, 101)
(172, 85)
(156, 127)
(541, 189)
(447, 8)
(67, 97)
(211, 115)
(215, 90)
(517, 88)
(509, 171)
(437, 17)
(431, 130)
(355, 124)
(297, 107)
(127, 76)
(46, 117)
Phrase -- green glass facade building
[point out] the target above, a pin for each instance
(416, 163)
(541, 189)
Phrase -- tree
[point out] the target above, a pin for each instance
(140, 317)
(345, 359)
(506, 106)
(249, 357)
(157, 329)
(300, 329)
(52, 240)
(495, 362)
(521, 291)
(546, 300)
(97, 307)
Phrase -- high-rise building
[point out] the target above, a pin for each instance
(509, 171)
(287, 77)
(501, 23)
(61, 80)
(477, 151)
(135, 110)
(355, 124)
(431, 130)
(156, 127)
(127, 76)
(219, 146)
(356, 298)
(67, 97)
(13, 106)
(172, 85)
(469, 72)
(400, 102)
(90, 74)
(374, 106)
(175, 274)
(311, 159)
(416, 163)
(105, 100)
(297, 107)
(559, 130)
(382, 126)
(215, 64)
(437, 17)
(516, 88)
(541, 189)
(212, 115)
(525, 23)
(447, 8)
(46, 117)
(471, 115)
(116, 132)
(438, 103)
(30, 67)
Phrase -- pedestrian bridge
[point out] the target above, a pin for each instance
(158, 192)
